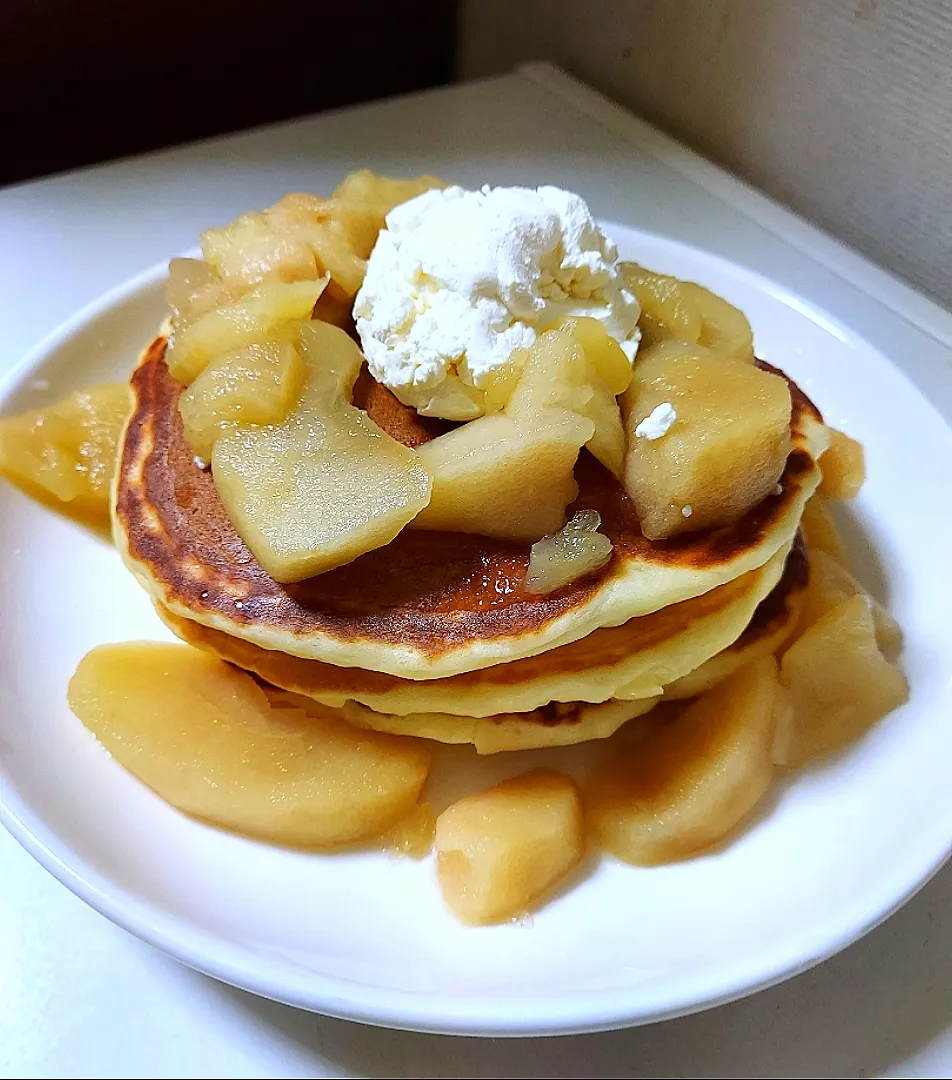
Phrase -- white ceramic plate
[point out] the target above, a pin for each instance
(364, 936)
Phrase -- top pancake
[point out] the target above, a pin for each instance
(429, 604)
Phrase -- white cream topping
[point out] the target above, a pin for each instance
(657, 422)
(459, 279)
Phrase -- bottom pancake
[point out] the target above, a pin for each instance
(558, 724)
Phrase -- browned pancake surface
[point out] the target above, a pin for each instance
(601, 648)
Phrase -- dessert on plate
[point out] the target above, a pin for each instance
(413, 465)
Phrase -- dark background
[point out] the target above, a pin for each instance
(88, 80)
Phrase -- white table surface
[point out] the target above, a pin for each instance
(79, 997)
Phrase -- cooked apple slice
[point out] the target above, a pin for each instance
(66, 453)
(724, 328)
(577, 549)
(820, 531)
(202, 735)
(499, 477)
(830, 583)
(362, 201)
(672, 309)
(304, 235)
(844, 467)
(412, 835)
(510, 474)
(668, 310)
(602, 351)
(315, 222)
(342, 230)
(377, 195)
(708, 438)
(686, 783)
(256, 317)
(250, 249)
(258, 384)
(579, 367)
(326, 484)
(838, 681)
(501, 850)
(193, 289)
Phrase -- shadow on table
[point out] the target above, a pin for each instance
(874, 1006)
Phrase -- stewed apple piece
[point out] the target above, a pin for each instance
(578, 366)
(820, 531)
(324, 485)
(677, 310)
(313, 221)
(250, 249)
(844, 467)
(687, 782)
(373, 197)
(412, 835)
(303, 236)
(830, 583)
(577, 549)
(510, 474)
(360, 204)
(501, 850)
(838, 681)
(202, 735)
(257, 316)
(258, 384)
(66, 453)
(193, 289)
(708, 438)
(499, 477)
(667, 310)
(724, 328)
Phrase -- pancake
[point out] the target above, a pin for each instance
(634, 660)
(553, 725)
(564, 724)
(430, 604)
(772, 624)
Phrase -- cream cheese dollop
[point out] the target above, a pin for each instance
(658, 422)
(458, 280)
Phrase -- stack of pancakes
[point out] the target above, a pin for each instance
(435, 635)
